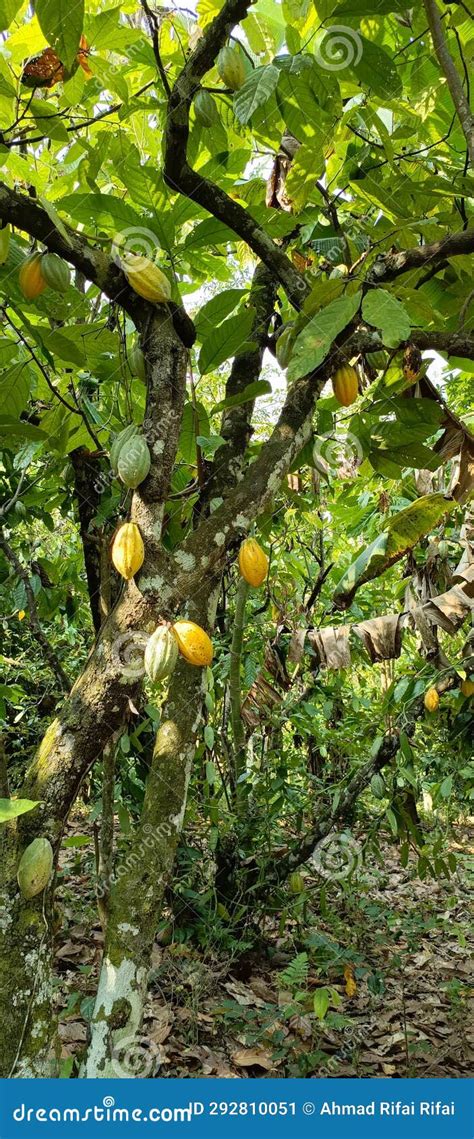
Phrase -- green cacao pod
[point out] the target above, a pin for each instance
(377, 360)
(161, 654)
(205, 109)
(35, 867)
(124, 436)
(443, 548)
(296, 882)
(136, 361)
(55, 272)
(231, 67)
(4, 243)
(377, 786)
(284, 346)
(134, 461)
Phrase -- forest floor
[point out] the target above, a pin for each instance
(394, 953)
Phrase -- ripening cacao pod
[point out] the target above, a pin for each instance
(193, 643)
(136, 361)
(412, 361)
(30, 277)
(377, 786)
(296, 882)
(55, 272)
(146, 278)
(134, 461)
(284, 346)
(377, 360)
(205, 109)
(345, 384)
(231, 67)
(431, 700)
(161, 654)
(339, 271)
(4, 243)
(467, 687)
(128, 551)
(35, 867)
(128, 433)
(82, 55)
(43, 70)
(253, 562)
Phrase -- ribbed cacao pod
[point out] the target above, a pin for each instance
(134, 461)
(128, 433)
(377, 786)
(377, 360)
(128, 551)
(231, 67)
(431, 700)
(296, 882)
(193, 643)
(412, 361)
(5, 234)
(161, 654)
(467, 687)
(345, 384)
(35, 867)
(30, 277)
(253, 562)
(136, 362)
(284, 346)
(55, 272)
(146, 278)
(205, 109)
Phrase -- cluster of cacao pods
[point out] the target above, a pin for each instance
(34, 870)
(130, 457)
(345, 384)
(40, 271)
(168, 641)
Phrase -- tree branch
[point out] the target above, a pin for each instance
(391, 265)
(463, 110)
(181, 177)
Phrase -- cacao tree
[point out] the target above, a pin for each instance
(190, 204)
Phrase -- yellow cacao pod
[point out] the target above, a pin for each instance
(253, 562)
(193, 643)
(345, 384)
(30, 277)
(431, 700)
(467, 687)
(146, 278)
(35, 867)
(128, 551)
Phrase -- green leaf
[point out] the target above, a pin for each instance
(216, 310)
(352, 54)
(314, 342)
(321, 1002)
(55, 219)
(364, 8)
(187, 438)
(255, 92)
(61, 23)
(407, 527)
(15, 386)
(251, 392)
(225, 341)
(20, 430)
(209, 736)
(12, 808)
(8, 11)
(371, 558)
(385, 312)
